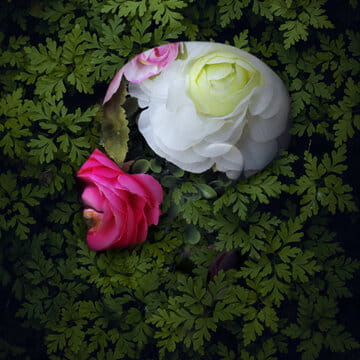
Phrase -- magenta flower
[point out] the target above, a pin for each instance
(119, 207)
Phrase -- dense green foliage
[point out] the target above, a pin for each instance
(59, 300)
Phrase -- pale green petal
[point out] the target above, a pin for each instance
(219, 81)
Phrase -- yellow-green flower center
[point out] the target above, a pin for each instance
(217, 82)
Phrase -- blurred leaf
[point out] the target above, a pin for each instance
(168, 181)
(206, 191)
(155, 165)
(192, 234)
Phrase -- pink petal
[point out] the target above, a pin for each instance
(138, 72)
(130, 184)
(103, 160)
(92, 198)
(131, 223)
(96, 159)
(106, 234)
(114, 85)
(153, 186)
(152, 214)
(142, 231)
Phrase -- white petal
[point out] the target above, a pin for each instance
(136, 91)
(157, 87)
(195, 49)
(280, 102)
(232, 160)
(212, 150)
(231, 130)
(177, 97)
(267, 129)
(256, 154)
(263, 95)
(182, 129)
(187, 160)
(197, 167)
(147, 130)
(233, 175)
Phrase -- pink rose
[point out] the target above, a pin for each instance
(119, 207)
(143, 66)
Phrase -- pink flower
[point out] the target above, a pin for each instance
(143, 66)
(119, 207)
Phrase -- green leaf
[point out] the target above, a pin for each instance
(288, 253)
(268, 316)
(294, 31)
(304, 266)
(231, 10)
(251, 331)
(241, 40)
(164, 12)
(43, 148)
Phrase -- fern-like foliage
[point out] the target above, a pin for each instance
(290, 293)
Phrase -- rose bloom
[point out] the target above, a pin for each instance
(119, 207)
(220, 106)
(143, 66)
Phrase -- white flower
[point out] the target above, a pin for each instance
(220, 106)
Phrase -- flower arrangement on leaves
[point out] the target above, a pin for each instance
(205, 105)
(290, 230)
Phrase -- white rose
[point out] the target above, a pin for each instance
(220, 106)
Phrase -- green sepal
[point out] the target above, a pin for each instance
(115, 131)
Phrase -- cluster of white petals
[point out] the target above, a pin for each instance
(215, 105)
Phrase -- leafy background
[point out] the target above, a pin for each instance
(293, 294)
